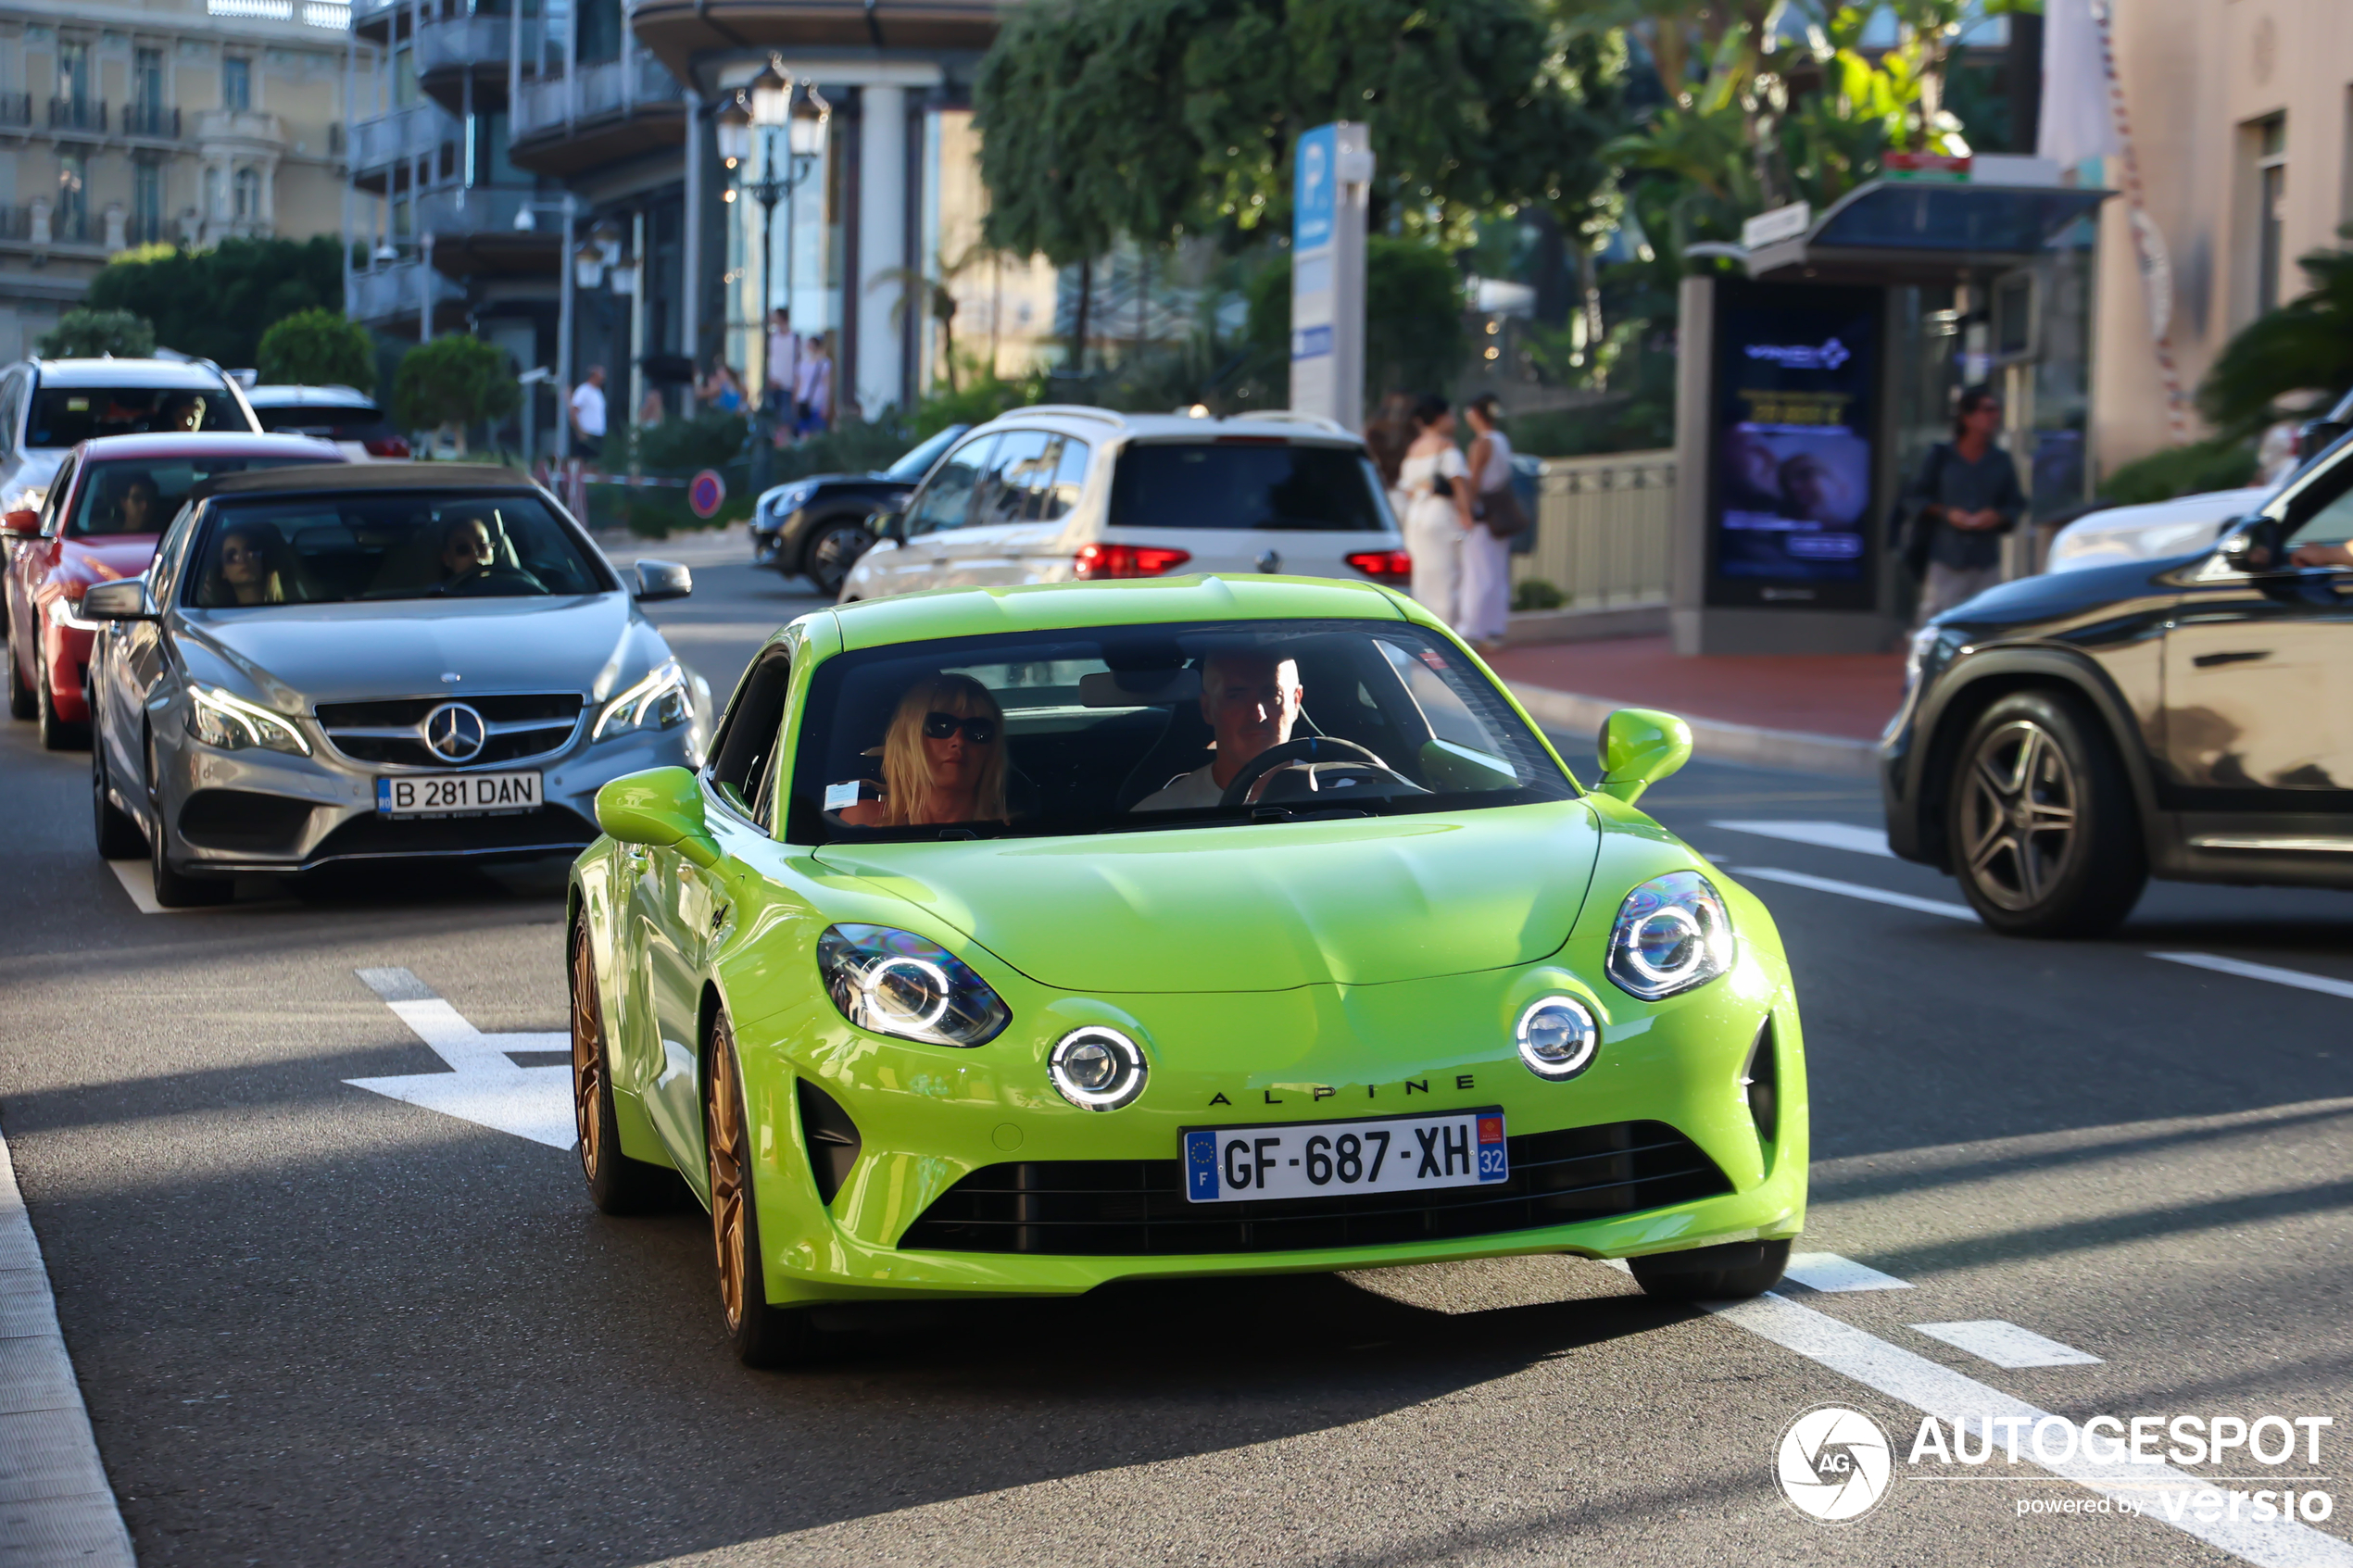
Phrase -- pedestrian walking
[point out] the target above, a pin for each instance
(813, 392)
(1438, 510)
(782, 373)
(589, 415)
(1486, 549)
(1965, 498)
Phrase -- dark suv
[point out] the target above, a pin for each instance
(2064, 738)
(816, 527)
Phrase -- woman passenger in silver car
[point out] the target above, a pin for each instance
(252, 566)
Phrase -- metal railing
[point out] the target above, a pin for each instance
(151, 120)
(77, 114)
(460, 210)
(481, 43)
(1604, 529)
(16, 224)
(634, 82)
(149, 228)
(415, 131)
(392, 292)
(69, 228)
(16, 109)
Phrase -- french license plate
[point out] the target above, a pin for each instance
(1446, 1149)
(457, 794)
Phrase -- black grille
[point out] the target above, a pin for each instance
(412, 709)
(551, 829)
(1138, 1208)
(245, 820)
(556, 714)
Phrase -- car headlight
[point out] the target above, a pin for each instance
(791, 498)
(229, 723)
(1097, 1069)
(897, 983)
(1672, 933)
(658, 702)
(1916, 657)
(1557, 1038)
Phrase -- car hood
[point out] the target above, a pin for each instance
(301, 655)
(1257, 907)
(107, 559)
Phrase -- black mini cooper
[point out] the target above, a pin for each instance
(816, 527)
(2064, 738)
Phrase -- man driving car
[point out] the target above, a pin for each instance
(1249, 700)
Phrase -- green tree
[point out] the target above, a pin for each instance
(1412, 318)
(85, 333)
(454, 383)
(2303, 346)
(319, 348)
(216, 303)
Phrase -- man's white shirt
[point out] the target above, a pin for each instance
(1186, 792)
(588, 405)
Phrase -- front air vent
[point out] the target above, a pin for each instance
(830, 1137)
(1762, 1085)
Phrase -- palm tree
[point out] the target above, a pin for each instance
(2305, 343)
(939, 299)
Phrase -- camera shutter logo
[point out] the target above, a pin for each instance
(455, 733)
(1834, 1464)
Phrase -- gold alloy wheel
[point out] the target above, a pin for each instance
(2017, 814)
(730, 1220)
(587, 1055)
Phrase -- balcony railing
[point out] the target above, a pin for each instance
(241, 125)
(393, 292)
(149, 228)
(77, 114)
(610, 88)
(16, 224)
(16, 109)
(479, 42)
(459, 209)
(68, 228)
(151, 120)
(415, 131)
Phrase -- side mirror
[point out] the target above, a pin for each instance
(660, 807)
(124, 600)
(1640, 746)
(662, 580)
(888, 523)
(2254, 545)
(21, 525)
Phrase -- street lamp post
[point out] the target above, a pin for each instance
(774, 102)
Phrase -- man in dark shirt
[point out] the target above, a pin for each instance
(1969, 493)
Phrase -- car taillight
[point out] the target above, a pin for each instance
(386, 446)
(1382, 565)
(1127, 560)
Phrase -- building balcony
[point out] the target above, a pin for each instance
(386, 142)
(78, 114)
(38, 225)
(241, 131)
(16, 111)
(392, 297)
(155, 122)
(680, 31)
(479, 46)
(601, 114)
(473, 234)
(149, 228)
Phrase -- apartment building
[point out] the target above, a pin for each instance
(179, 121)
(2241, 122)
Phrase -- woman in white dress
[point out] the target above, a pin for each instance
(1438, 511)
(1486, 590)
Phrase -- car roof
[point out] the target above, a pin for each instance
(1279, 424)
(310, 397)
(972, 612)
(220, 444)
(310, 480)
(170, 373)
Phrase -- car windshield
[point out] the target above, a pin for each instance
(141, 494)
(67, 416)
(338, 422)
(917, 463)
(1142, 727)
(379, 545)
(1247, 482)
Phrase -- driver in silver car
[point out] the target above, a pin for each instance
(1250, 700)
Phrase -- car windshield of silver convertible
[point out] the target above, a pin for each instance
(1117, 728)
(403, 544)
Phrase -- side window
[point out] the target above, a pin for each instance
(1062, 477)
(1004, 492)
(52, 507)
(742, 769)
(947, 495)
(11, 412)
(2323, 514)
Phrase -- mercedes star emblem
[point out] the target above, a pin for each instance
(455, 733)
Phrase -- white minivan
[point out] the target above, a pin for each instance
(1059, 492)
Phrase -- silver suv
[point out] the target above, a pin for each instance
(49, 407)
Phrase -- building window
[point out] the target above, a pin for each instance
(73, 199)
(146, 78)
(2271, 208)
(147, 203)
(236, 82)
(73, 72)
(247, 190)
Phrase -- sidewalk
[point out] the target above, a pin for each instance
(1817, 713)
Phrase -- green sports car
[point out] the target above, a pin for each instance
(1017, 940)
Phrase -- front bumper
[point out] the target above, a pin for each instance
(257, 811)
(928, 1118)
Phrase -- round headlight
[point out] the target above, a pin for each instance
(1672, 933)
(1557, 1038)
(906, 993)
(1097, 1069)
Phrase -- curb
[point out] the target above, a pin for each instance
(1714, 738)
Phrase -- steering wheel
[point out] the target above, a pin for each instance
(1306, 748)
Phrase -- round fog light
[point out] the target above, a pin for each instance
(1097, 1069)
(1557, 1038)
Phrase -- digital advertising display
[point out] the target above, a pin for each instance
(1794, 455)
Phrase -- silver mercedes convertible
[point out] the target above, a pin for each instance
(356, 662)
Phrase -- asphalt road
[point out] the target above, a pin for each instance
(314, 1324)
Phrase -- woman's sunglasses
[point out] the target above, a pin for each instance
(978, 728)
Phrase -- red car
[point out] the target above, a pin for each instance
(111, 499)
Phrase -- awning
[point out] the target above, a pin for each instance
(1907, 231)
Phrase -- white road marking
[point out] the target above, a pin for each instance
(2006, 1344)
(1856, 890)
(56, 1506)
(2295, 977)
(1826, 836)
(1938, 1390)
(138, 879)
(483, 1085)
(1830, 1272)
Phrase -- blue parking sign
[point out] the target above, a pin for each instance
(1314, 187)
